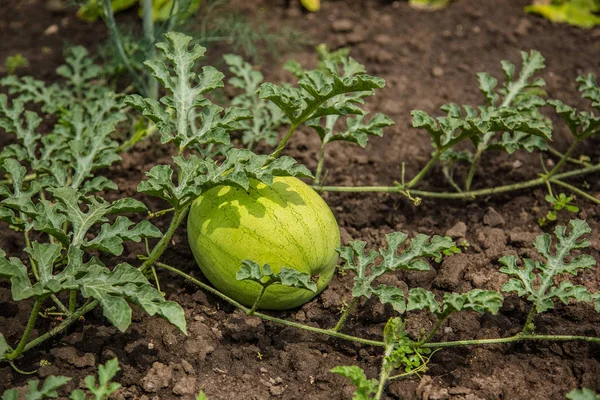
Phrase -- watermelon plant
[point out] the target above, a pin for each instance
(100, 391)
(509, 121)
(54, 194)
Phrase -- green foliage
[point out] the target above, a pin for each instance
(536, 279)
(34, 392)
(335, 89)
(102, 391)
(401, 352)
(105, 387)
(54, 194)
(251, 271)
(12, 63)
(365, 387)
(367, 267)
(581, 13)
(512, 110)
(582, 124)
(475, 300)
(188, 119)
(583, 394)
(266, 117)
(558, 203)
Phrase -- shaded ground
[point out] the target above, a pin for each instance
(427, 59)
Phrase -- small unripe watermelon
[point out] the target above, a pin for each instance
(286, 224)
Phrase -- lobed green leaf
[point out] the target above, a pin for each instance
(365, 388)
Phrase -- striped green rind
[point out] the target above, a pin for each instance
(286, 224)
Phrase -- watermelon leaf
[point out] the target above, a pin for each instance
(365, 388)
(535, 279)
(251, 271)
(413, 257)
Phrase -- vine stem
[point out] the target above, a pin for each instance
(317, 180)
(424, 171)
(162, 244)
(516, 338)
(433, 331)
(328, 332)
(464, 195)
(62, 326)
(569, 159)
(283, 142)
(345, 314)
(473, 168)
(563, 159)
(576, 190)
(385, 372)
(528, 327)
(258, 299)
(30, 325)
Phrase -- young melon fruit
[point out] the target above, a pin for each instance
(286, 224)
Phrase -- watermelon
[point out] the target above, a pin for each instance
(286, 224)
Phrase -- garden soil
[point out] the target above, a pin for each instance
(427, 59)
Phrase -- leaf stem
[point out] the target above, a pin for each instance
(33, 265)
(576, 190)
(529, 326)
(162, 244)
(569, 159)
(26, 178)
(345, 314)
(283, 142)
(564, 159)
(473, 168)
(433, 331)
(62, 326)
(328, 332)
(152, 215)
(385, 372)
(72, 301)
(28, 329)
(425, 169)
(317, 180)
(258, 299)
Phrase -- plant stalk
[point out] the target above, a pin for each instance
(433, 331)
(162, 244)
(62, 326)
(345, 314)
(425, 169)
(564, 159)
(30, 325)
(283, 142)
(328, 332)
(317, 180)
(516, 338)
(72, 301)
(464, 195)
(472, 169)
(385, 371)
(258, 299)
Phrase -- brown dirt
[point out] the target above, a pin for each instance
(427, 59)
